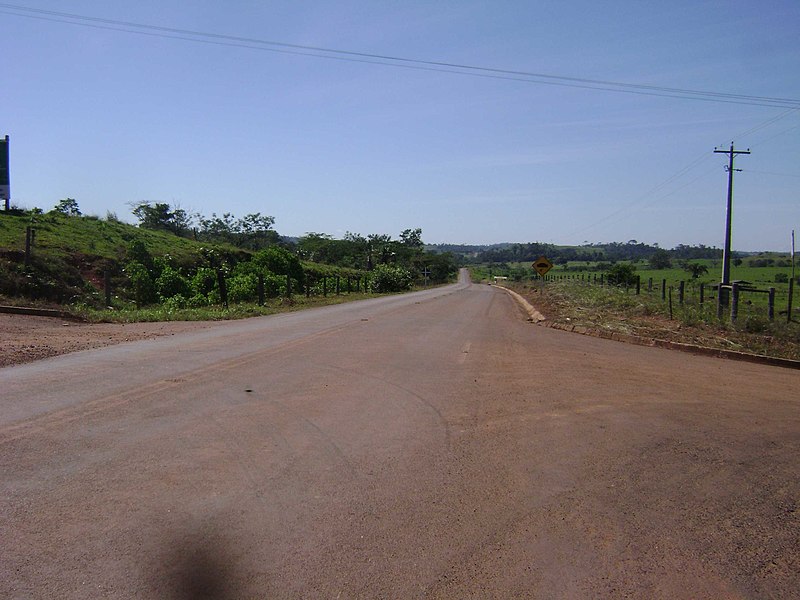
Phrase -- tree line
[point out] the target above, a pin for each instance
(608, 252)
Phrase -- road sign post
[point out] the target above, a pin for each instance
(542, 265)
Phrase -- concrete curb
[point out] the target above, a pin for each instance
(651, 342)
(38, 312)
(534, 315)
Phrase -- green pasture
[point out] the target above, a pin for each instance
(760, 277)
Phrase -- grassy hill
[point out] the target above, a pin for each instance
(70, 254)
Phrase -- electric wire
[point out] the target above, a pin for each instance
(396, 61)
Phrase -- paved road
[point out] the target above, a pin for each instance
(431, 445)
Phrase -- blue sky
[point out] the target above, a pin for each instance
(112, 117)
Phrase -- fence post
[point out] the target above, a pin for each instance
(324, 286)
(601, 280)
(789, 305)
(308, 285)
(638, 284)
(28, 246)
(735, 303)
(338, 285)
(772, 304)
(670, 303)
(349, 288)
(720, 304)
(650, 284)
(681, 292)
(223, 290)
(702, 292)
(664, 289)
(261, 289)
(288, 286)
(107, 286)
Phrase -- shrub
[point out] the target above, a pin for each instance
(198, 301)
(171, 283)
(622, 274)
(174, 303)
(386, 278)
(144, 290)
(279, 261)
(203, 281)
(243, 288)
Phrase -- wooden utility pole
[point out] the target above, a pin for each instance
(726, 252)
(791, 286)
(5, 179)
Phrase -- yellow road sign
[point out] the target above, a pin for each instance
(542, 265)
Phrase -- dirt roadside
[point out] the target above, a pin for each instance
(26, 338)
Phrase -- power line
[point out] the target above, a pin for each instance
(396, 61)
(641, 202)
(771, 173)
(767, 123)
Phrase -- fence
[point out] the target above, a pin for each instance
(735, 299)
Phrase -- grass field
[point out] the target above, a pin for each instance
(761, 277)
(613, 309)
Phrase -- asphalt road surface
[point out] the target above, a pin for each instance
(431, 445)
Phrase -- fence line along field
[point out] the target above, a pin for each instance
(596, 296)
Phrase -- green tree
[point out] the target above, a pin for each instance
(388, 278)
(660, 259)
(280, 262)
(171, 283)
(161, 216)
(144, 291)
(68, 207)
(137, 252)
(696, 269)
(621, 274)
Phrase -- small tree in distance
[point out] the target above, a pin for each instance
(660, 259)
(696, 269)
(622, 274)
(68, 207)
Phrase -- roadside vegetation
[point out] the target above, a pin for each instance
(602, 295)
(175, 266)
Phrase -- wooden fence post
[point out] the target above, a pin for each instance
(789, 305)
(223, 290)
(649, 284)
(338, 285)
(664, 289)
(681, 292)
(702, 291)
(28, 246)
(638, 284)
(107, 286)
(735, 303)
(324, 286)
(771, 304)
(670, 303)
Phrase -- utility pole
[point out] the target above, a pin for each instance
(726, 253)
(5, 181)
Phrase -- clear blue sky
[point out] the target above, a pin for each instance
(111, 117)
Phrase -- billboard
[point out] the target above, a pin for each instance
(5, 181)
